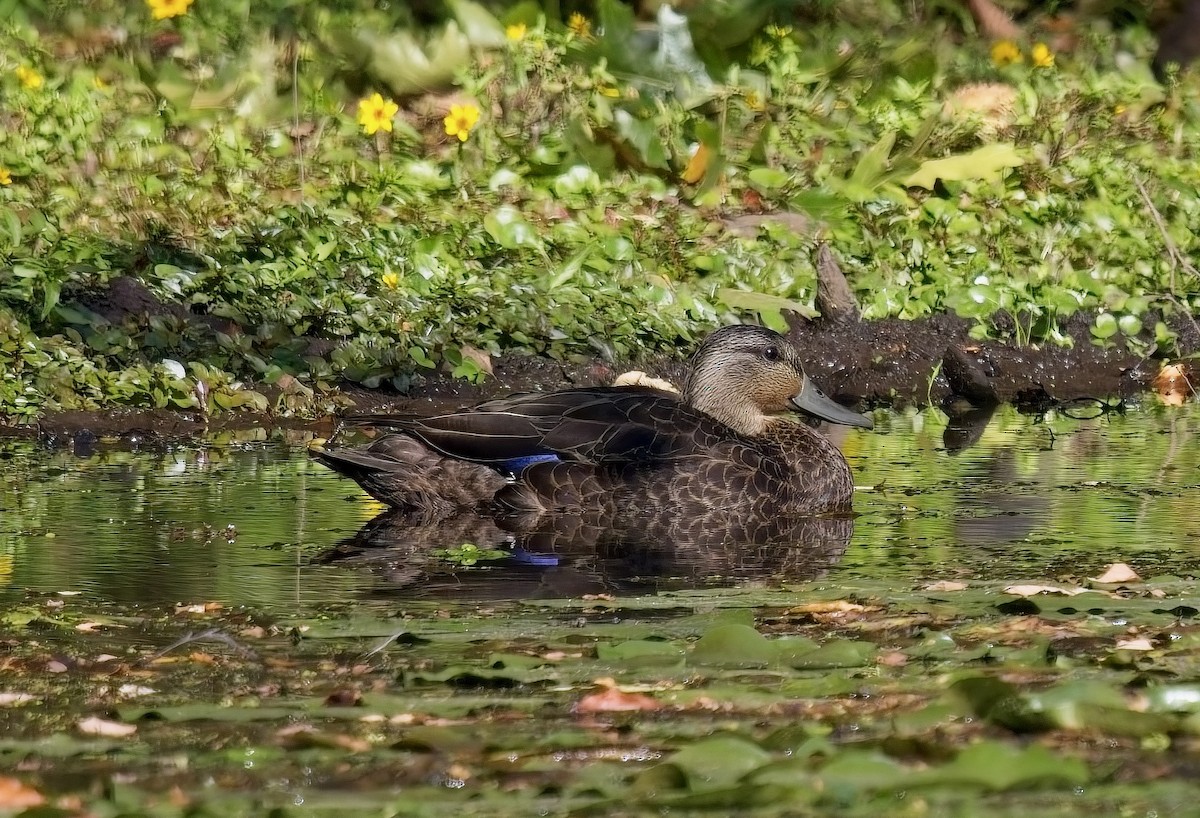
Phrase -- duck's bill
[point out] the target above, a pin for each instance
(814, 402)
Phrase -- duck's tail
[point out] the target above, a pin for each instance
(404, 473)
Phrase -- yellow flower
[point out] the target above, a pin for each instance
(375, 112)
(1042, 56)
(1005, 52)
(29, 78)
(5, 177)
(515, 32)
(753, 101)
(162, 9)
(461, 120)
(390, 280)
(779, 32)
(580, 25)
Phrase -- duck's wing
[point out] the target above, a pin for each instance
(593, 425)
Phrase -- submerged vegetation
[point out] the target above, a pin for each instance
(200, 206)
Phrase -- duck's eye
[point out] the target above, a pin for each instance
(771, 353)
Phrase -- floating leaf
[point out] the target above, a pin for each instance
(992, 765)
(641, 653)
(14, 794)
(718, 761)
(734, 646)
(839, 653)
(614, 700)
(108, 729)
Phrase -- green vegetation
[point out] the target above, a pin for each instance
(583, 199)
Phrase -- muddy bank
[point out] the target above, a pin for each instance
(887, 363)
(868, 364)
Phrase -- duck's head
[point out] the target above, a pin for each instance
(743, 375)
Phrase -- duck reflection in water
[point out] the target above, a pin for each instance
(632, 473)
(564, 558)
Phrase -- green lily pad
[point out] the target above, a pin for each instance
(734, 646)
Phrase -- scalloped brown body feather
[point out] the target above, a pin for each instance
(627, 456)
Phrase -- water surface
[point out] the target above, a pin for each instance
(253, 521)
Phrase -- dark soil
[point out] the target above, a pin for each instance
(865, 363)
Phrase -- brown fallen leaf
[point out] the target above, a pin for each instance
(1034, 590)
(95, 726)
(130, 691)
(945, 585)
(477, 356)
(8, 699)
(1117, 572)
(305, 736)
(613, 700)
(198, 608)
(14, 794)
(830, 606)
(993, 21)
(1174, 384)
(993, 105)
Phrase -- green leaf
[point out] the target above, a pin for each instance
(1130, 324)
(642, 136)
(734, 646)
(421, 357)
(50, 293)
(987, 163)
(641, 653)
(718, 761)
(13, 226)
(482, 28)
(769, 179)
(407, 67)
(1105, 325)
(508, 227)
(853, 773)
(992, 765)
(872, 164)
(839, 653)
(999, 702)
(770, 308)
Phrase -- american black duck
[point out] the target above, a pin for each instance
(618, 455)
